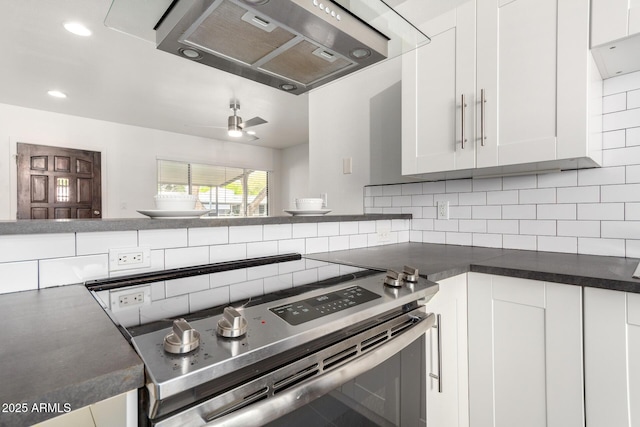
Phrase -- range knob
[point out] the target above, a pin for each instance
(394, 279)
(410, 274)
(182, 339)
(232, 324)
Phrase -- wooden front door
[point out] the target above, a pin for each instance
(58, 183)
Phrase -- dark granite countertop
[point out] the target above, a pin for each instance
(436, 262)
(60, 347)
(36, 226)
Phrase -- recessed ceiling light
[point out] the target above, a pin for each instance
(251, 132)
(77, 29)
(57, 94)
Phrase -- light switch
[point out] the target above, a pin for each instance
(347, 165)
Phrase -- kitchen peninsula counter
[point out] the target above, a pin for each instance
(437, 262)
(45, 226)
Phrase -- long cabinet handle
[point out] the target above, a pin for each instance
(463, 106)
(483, 101)
(438, 376)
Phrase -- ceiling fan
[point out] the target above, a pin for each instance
(236, 127)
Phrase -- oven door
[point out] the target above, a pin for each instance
(322, 379)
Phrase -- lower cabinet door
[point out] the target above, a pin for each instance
(447, 379)
(612, 358)
(525, 353)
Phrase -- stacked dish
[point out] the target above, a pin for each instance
(174, 205)
(308, 207)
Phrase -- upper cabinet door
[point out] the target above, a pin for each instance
(518, 75)
(535, 72)
(435, 78)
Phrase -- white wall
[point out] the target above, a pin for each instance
(294, 178)
(340, 127)
(129, 155)
(589, 211)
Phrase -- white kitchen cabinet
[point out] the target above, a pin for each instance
(536, 98)
(435, 77)
(525, 353)
(448, 405)
(612, 362)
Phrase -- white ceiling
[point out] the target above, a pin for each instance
(116, 77)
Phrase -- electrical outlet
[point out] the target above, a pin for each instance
(443, 210)
(129, 258)
(129, 298)
(384, 234)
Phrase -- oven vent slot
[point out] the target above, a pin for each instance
(374, 341)
(337, 358)
(401, 327)
(238, 404)
(294, 379)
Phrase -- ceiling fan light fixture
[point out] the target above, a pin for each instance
(235, 133)
(234, 125)
(77, 28)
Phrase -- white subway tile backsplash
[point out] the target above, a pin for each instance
(528, 243)
(307, 229)
(620, 193)
(458, 186)
(621, 120)
(558, 244)
(433, 237)
(633, 99)
(277, 231)
(368, 202)
(358, 241)
(391, 190)
(601, 176)
(241, 292)
(208, 236)
(621, 156)
(244, 234)
(185, 257)
(229, 277)
(346, 228)
(519, 212)
(262, 271)
(68, 271)
(633, 174)
(452, 198)
(162, 239)
(400, 224)
(621, 229)
(632, 212)
(519, 182)
(338, 243)
(291, 246)
(366, 227)
(221, 253)
(433, 187)
(502, 226)
(412, 188)
(430, 212)
(452, 238)
(613, 139)
(633, 137)
(317, 244)
(422, 224)
(445, 225)
(538, 227)
(25, 247)
(260, 249)
(403, 236)
(613, 103)
(186, 285)
(373, 191)
(605, 247)
(566, 211)
(487, 184)
(540, 195)
(399, 201)
(509, 197)
(100, 242)
(209, 298)
(633, 248)
(621, 83)
(329, 229)
(158, 291)
(18, 276)
(383, 202)
(487, 240)
(579, 228)
(278, 283)
(578, 194)
(601, 211)
(416, 211)
(472, 225)
(560, 179)
(479, 198)
(486, 212)
(397, 210)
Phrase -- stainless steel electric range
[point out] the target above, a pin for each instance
(270, 358)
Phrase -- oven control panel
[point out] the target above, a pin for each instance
(313, 308)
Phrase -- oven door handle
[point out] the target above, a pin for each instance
(271, 409)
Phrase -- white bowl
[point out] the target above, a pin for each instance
(175, 202)
(309, 204)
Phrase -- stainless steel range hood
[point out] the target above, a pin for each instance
(293, 45)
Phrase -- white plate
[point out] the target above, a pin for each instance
(299, 212)
(193, 213)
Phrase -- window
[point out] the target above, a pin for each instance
(223, 190)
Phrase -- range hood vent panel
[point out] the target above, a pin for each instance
(300, 47)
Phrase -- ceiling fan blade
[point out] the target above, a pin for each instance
(255, 121)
